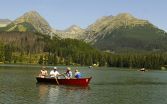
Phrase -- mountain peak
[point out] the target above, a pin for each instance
(31, 13)
(74, 32)
(124, 32)
(108, 24)
(30, 16)
(122, 19)
(4, 22)
(73, 28)
(31, 21)
(125, 16)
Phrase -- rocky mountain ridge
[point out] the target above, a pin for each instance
(31, 22)
(73, 32)
(125, 32)
(4, 22)
(122, 31)
(109, 24)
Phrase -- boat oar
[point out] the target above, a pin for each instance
(57, 81)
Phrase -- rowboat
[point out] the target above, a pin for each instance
(71, 82)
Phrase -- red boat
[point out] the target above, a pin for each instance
(71, 82)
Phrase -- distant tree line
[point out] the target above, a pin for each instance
(35, 48)
(149, 60)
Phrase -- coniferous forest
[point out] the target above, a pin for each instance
(35, 48)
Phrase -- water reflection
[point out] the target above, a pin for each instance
(43, 90)
(75, 88)
(49, 93)
(74, 94)
(53, 94)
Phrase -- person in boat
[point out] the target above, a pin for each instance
(77, 74)
(54, 73)
(43, 72)
(68, 73)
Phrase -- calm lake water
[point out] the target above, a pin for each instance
(108, 86)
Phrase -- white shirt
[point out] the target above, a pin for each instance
(69, 74)
(54, 73)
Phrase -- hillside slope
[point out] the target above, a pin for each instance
(125, 32)
(29, 22)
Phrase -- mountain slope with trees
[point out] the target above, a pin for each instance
(28, 47)
(29, 22)
(125, 32)
(131, 42)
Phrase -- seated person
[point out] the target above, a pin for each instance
(77, 74)
(54, 73)
(68, 73)
(43, 72)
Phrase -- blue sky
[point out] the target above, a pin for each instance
(62, 13)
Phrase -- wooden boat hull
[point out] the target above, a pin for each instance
(71, 82)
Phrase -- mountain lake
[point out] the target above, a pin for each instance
(108, 86)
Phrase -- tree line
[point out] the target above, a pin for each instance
(35, 48)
